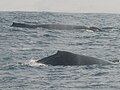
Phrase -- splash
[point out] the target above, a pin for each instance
(33, 63)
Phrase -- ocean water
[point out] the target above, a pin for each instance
(21, 47)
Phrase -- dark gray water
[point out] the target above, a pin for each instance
(20, 47)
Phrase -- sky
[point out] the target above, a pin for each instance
(81, 6)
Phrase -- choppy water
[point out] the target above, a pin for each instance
(20, 47)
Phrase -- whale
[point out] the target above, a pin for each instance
(48, 26)
(64, 58)
(54, 26)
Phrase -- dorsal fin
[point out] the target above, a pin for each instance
(59, 52)
(62, 52)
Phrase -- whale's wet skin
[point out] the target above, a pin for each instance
(67, 58)
(54, 26)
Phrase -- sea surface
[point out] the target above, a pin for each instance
(21, 47)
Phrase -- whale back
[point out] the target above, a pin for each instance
(54, 26)
(67, 58)
(60, 58)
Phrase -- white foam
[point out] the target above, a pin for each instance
(32, 62)
(89, 30)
